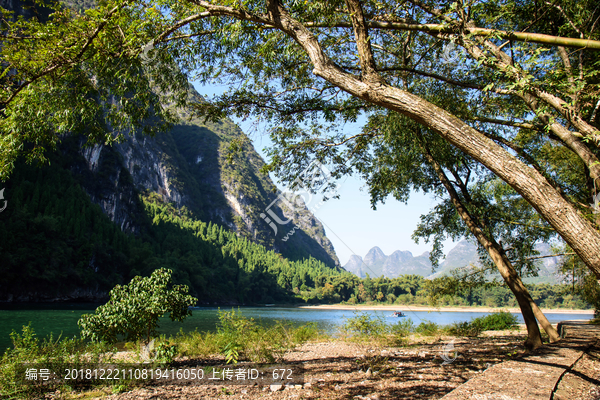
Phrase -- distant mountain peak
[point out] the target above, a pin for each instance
(400, 262)
(374, 255)
(355, 265)
(401, 253)
(464, 253)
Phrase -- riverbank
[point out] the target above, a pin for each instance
(424, 368)
(433, 309)
(413, 363)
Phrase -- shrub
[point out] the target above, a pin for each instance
(363, 324)
(403, 327)
(496, 322)
(305, 332)
(54, 355)
(428, 328)
(196, 343)
(241, 338)
(134, 309)
(465, 329)
(165, 351)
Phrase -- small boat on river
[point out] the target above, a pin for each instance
(397, 314)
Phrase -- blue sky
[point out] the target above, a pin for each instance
(354, 227)
(350, 223)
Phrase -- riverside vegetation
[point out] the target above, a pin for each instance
(132, 314)
(237, 339)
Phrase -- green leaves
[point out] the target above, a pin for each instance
(134, 309)
(240, 338)
(81, 73)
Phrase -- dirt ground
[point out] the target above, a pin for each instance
(427, 368)
(582, 382)
(423, 368)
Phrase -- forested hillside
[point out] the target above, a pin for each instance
(83, 223)
(210, 168)
(58, 245)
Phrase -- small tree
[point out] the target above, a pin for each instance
(134, 309)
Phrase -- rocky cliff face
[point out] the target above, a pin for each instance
(403, 262)
(376, 264)
(373, 262)
(192, 166)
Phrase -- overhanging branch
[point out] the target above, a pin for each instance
(436, 29)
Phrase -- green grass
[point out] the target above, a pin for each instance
(239, 338)
(365, 327)
(52, 354)
(428, 328)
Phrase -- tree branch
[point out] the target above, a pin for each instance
(467, 85)
(436, 29)
(523, 125)
(549, 256)
(348, 139)
(363, 43)
(57, 65)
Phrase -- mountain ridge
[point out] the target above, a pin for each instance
(462, 254)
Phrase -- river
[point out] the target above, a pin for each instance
(61, 318)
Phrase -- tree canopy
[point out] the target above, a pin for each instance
(528, 72)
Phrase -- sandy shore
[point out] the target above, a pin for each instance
(447, 309)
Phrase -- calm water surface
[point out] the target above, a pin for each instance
(61, 319)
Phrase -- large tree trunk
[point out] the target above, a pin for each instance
(553, 335)
(578, 232)
(509, 274)
(513, 280)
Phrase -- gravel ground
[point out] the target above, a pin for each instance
(582, 382)
(338, 369)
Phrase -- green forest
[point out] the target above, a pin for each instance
(55, 237)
